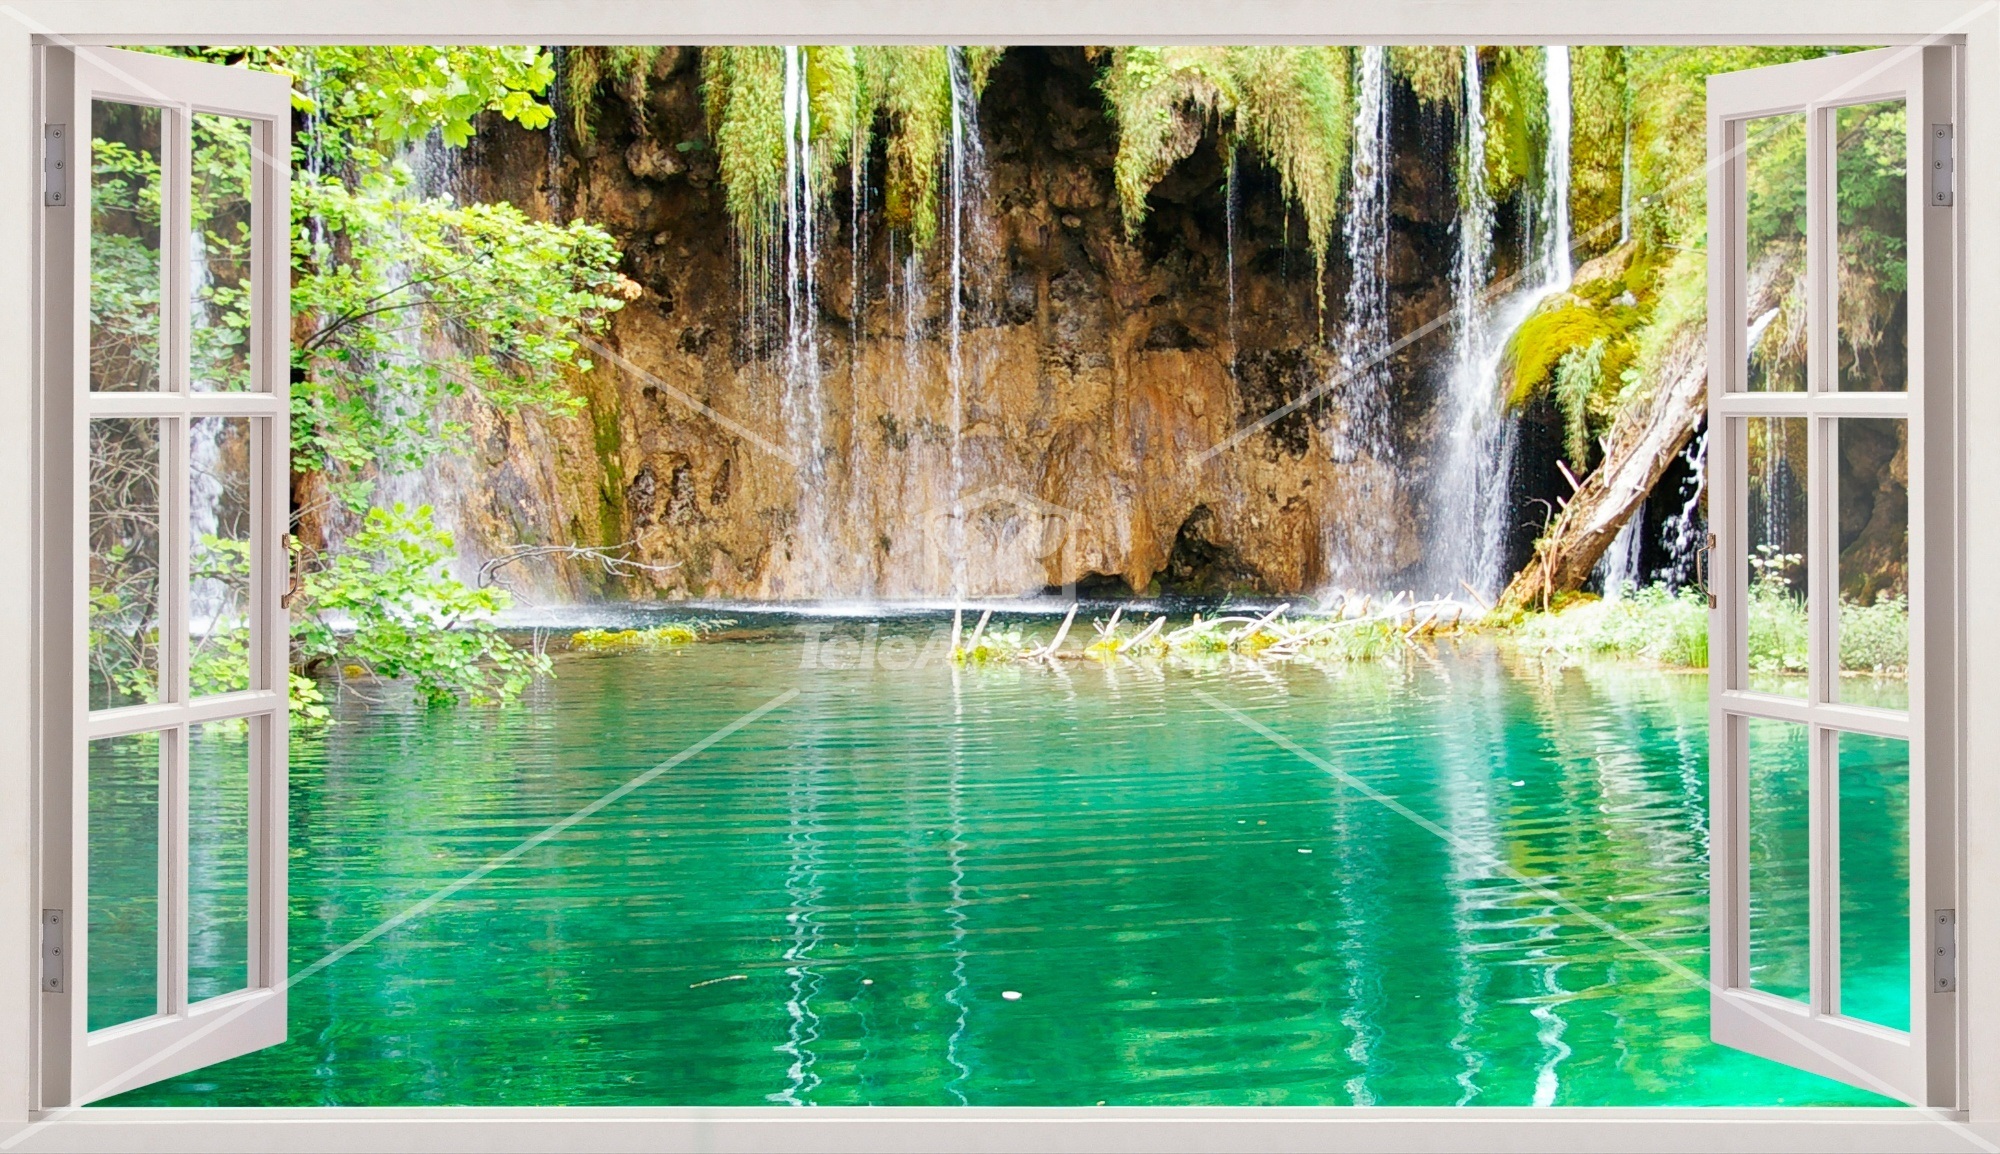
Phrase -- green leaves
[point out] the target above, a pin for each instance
(388, 604)
(496, 301)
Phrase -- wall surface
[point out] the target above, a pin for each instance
(1024, 22)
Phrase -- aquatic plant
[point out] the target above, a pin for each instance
(1358, 629)
(666, 635)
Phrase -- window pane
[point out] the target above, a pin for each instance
(1780, 876)
(218, 856)
(1871, 169)
(124, 879)
(1874, 562)
(219, 570)
(1775, 251)
(1874, 781)
(219, 201)
(124, 247)
(1777, 558)
(124, 636)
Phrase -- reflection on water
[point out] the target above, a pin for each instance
(838, 903)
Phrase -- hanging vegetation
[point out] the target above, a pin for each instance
(1435, 73)
(1291, 107)
(841, 93)
(1515, 96)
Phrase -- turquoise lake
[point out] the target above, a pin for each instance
(1054, 884)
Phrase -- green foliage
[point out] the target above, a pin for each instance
(494, 300)
(1579, 376)
(1434, 72)
(368, 101)
(387, 602)
(1291, 107)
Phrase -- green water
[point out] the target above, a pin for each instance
(830, 904)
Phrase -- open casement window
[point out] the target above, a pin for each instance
(1833, 356)
(163, 355)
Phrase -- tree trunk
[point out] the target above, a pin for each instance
(1643, 441)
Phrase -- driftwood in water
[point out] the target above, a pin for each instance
(1643, 441)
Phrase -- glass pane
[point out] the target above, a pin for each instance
(219, 235)
(1874, 779)
(218, 857)
(1777, 560)
(124, 247)
(219, 569)
(1775, 251)
(124, 882)
(1874, 562)
(1871, 169)
(124, 561)
(1780, 845)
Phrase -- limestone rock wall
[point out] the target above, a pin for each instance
(1103, 381)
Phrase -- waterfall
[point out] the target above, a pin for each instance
(804, 402)
(1557, 264)
(1625, 187)
(1357, 548)
(1618, 569)
(1683, 532)
(1469, 495)
(1366, 336)
(965, 184)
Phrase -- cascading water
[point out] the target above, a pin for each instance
(1470, 488)
(1683, 533)
(804, 402)
(1618, 569)
(1355, 546)
(965, 187)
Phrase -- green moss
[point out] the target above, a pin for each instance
(1541, 342)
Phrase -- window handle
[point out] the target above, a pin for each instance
(1702, 562)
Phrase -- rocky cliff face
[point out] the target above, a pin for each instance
(1078, 418)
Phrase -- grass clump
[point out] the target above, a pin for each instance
(1671, 628)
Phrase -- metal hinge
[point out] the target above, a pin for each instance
(1944, 951)
(55, 165)
(1941, 164)
(52, 951)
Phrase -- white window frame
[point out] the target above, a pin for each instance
(1918, 1065)
(1974, 26)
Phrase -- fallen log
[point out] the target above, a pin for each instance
(1643, 441)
